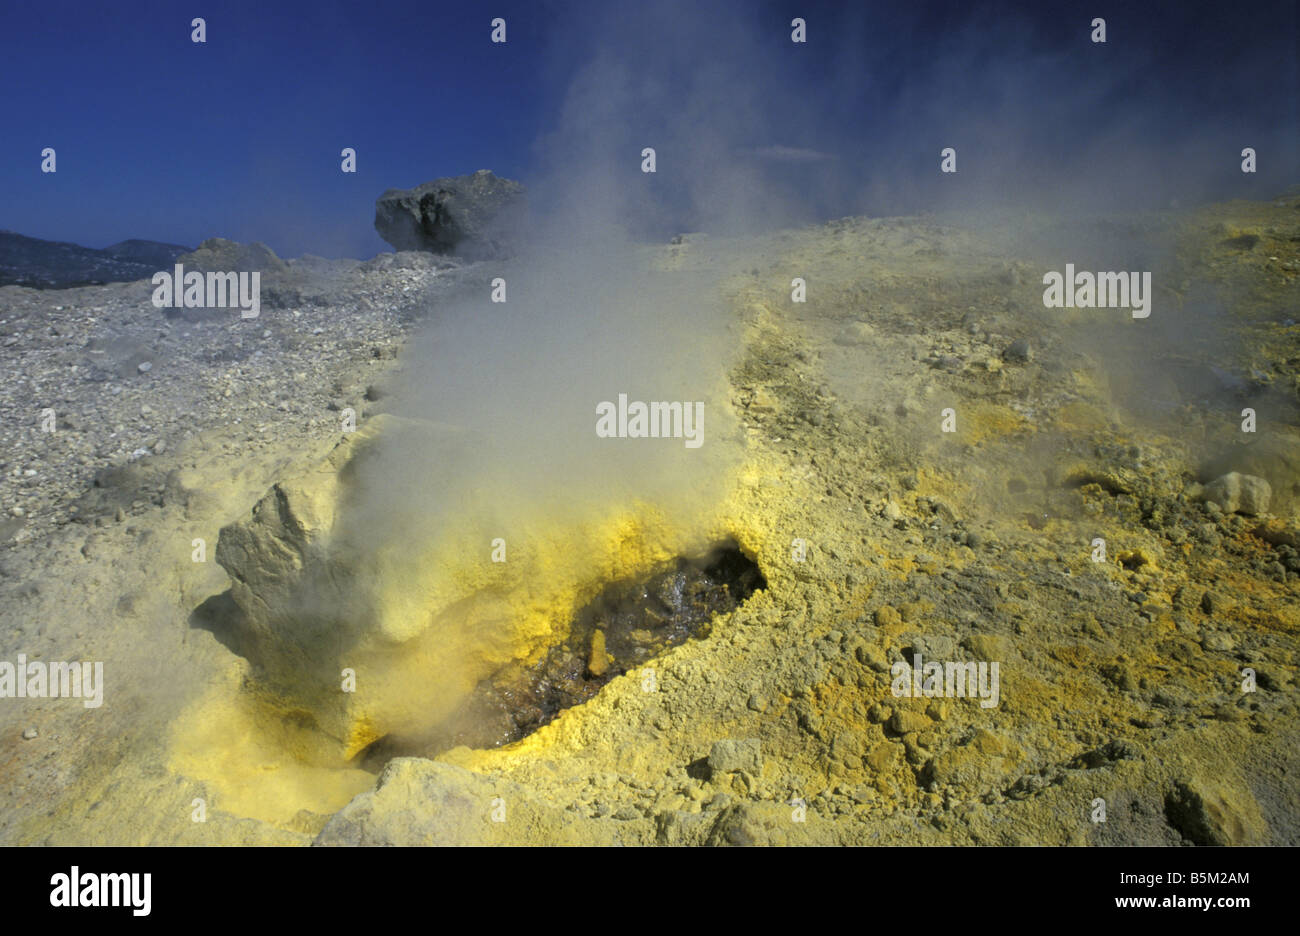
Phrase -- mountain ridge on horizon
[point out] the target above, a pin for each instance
(38, 263)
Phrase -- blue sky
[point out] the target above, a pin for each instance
(161, 138)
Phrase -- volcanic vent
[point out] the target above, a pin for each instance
(384, 637)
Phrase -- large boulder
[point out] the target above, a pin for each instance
(326, 580)
(1240, 493)
(475, 216)
(1275, 458)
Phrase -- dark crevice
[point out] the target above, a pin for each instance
(625, 627)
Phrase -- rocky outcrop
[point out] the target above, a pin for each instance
(270, 556)
(315, 597)
(353, 565)
(474, 216)
(303, 282)
(218, 255)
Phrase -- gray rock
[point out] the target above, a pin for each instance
(423, 802)
(932, 647)
(299, 607)
(1240, 493)
(753, 824)
(317, 591)
(730, 754)
(474, 216)
(1019, 352)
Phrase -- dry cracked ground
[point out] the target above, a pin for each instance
(1147, 694)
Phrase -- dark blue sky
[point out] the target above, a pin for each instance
(161, 138)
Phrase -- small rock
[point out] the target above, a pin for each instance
(29, 734)
(1239, 493)
(144, 367)
(598, 659)
(1218, 642)
(763, 401)
(871, 656)
(987, 647)
(905, 722)
(887, 616)
(1018, 351)
(731, 754)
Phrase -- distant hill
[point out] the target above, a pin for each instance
(43, 264)
(146, 251)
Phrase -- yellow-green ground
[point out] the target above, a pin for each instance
(1121, 681)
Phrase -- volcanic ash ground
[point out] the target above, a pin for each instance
(918, 463)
